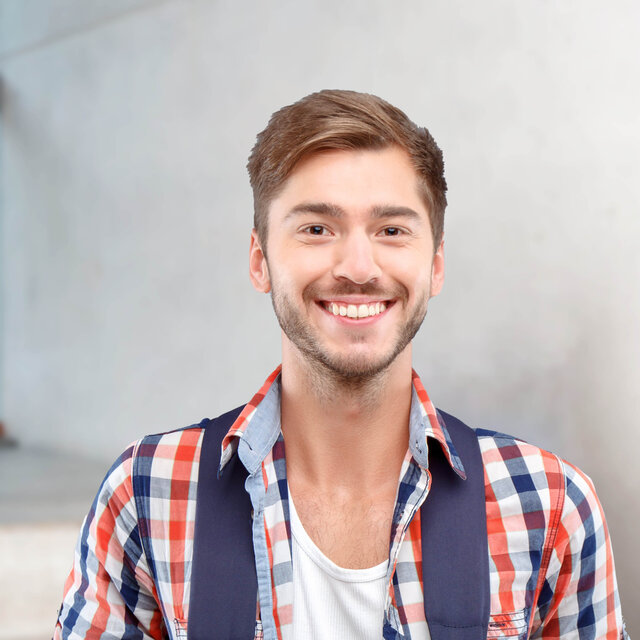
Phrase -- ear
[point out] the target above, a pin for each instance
(258, 267)
(437, 271)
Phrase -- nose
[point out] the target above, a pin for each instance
(355, 259)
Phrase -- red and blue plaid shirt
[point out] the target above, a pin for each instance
(132, 568)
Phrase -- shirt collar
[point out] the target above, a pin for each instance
(257, 428)
(263, 413)
(426, 422)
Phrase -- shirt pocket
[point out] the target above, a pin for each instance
(180, 627)
(512, 625)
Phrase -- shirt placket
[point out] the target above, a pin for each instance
(413, 489)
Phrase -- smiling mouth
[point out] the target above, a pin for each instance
(355, 311)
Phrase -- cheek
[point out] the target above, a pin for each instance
(313, 260)
(415, 275)
(290, 282)
(301, 265)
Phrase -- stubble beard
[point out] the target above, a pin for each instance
(344, 370)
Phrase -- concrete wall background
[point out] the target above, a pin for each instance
(126, 213)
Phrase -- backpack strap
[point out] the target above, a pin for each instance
(455, 557)
(224, 587)
(455, 553)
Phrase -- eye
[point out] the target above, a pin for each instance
(392, 231)
(315, 230)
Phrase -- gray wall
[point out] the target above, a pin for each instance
(126, 126)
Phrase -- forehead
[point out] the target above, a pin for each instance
(356, 180)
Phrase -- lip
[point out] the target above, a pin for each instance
(389, 303)
(355, 299)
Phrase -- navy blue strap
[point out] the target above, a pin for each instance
(224, 587)
(455, 558)
(455, 555)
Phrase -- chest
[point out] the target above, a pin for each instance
(352, 533)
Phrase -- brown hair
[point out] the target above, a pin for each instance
(335, 119)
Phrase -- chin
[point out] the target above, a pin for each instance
(357, 366)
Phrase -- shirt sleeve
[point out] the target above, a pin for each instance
(110, 593)
(579, 598)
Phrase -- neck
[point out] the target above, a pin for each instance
(345, 433)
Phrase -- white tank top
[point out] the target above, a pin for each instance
(331, 602)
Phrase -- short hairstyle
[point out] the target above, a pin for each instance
(336, 119)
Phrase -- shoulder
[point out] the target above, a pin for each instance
(506, 455)
(158, 453)
(168, 456)
(537, 497)
(513, 463)
(153, 464)
(519, 477)
(535, 480)
(517, 456)
(503, 449)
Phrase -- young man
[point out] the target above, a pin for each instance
(339, 537)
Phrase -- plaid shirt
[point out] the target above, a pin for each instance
(132, 568)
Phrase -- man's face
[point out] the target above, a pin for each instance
(351, 262)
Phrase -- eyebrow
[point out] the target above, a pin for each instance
(393, 211)
(334, 211)
(323, 208)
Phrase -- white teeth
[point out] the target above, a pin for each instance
(356, 311)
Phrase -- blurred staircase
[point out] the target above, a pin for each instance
(43, 499)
